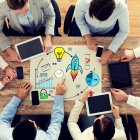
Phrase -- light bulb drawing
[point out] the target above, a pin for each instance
(59, 53)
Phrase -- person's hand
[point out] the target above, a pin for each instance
(91, 43)
(115, 111)
(127, 55)
(61, 88)
(6, 80)
(10, 72)
(47, 43)
(24, 90)
(119, 95)
(105, 57)
(13, 55)
(86, 95)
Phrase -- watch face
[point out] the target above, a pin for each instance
(59, 73)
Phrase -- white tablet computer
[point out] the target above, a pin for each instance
(99, 104)
(30, 48)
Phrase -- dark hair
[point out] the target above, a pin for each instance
(16, 4)
(24, 131)
(104, 129)
(101, 9)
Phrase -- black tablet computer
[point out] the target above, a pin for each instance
(120, 75)
(99, 104)
(30, 48)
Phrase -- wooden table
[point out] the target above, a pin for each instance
(45, 107)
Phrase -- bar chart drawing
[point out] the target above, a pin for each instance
(44, 82)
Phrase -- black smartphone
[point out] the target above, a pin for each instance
(99, 51)
(20, 74)
(35, 98)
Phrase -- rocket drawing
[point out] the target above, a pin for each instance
(74, 66)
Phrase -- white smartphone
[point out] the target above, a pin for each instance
(99, 51)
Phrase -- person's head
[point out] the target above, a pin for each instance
(101, 9)
(26, 130)
(19, 6)
(104, 128)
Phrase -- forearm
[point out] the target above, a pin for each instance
(81, 23)
(57, 114)
(50, 18)
(79, 15)
(117, 41)
(4, 42)
(57, 117)
(118, 123)
(134, 101)
(3, 63)
(75, 112)
(50, 25)
(9, 111)
(1, 85)
(73, 119)
(137, 52)
(123, 22)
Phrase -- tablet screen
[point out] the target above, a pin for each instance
(120, 75)
(29, 49)
(99, 104)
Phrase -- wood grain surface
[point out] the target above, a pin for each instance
(45, 107)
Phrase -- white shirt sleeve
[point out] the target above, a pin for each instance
(119, 130)
(123, 29)
(73, 119)
(3, 63)
(134, 101)
(79, 14)
(137, 52)
(1, 85)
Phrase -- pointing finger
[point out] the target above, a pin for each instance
(63, 81)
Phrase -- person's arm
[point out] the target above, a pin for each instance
(7, 116)
(49, 15)
(4, 42)
(79, 15)
(10, 73)
(137, 52)
(119, 131)
(73, 119)
(134, 101)
(10, 110)
(57, 117)
(120, 95)
(57, 114)
(3, 65)
(74, 116)
(123, 29)
(118, 123)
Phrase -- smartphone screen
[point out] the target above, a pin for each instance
(99, 51)
(19, 72)
(35, 98)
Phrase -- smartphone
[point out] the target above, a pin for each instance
(20, 74)
(35, 98)
(99, 51)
